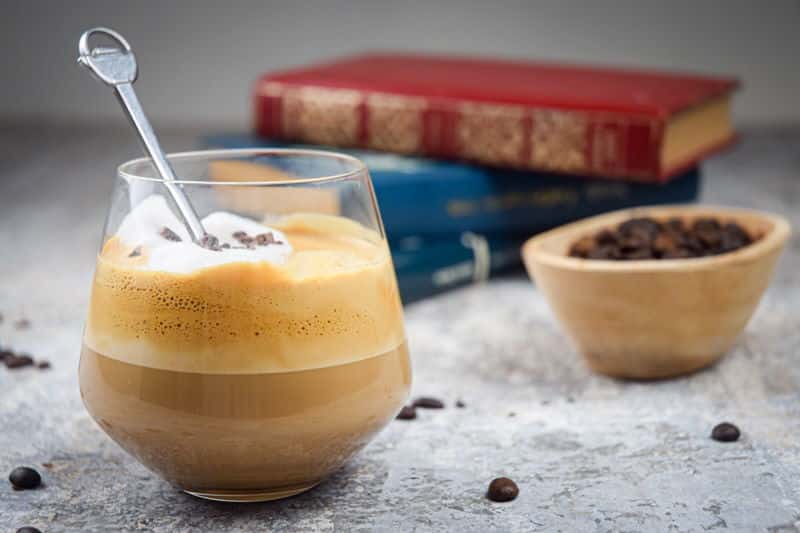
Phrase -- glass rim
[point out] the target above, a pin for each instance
(123, 170)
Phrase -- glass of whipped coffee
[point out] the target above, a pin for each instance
(251, 368)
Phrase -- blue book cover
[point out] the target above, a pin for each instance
(426, 266)
(420, 196)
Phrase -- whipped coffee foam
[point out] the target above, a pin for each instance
(326, 296)
(143, 227)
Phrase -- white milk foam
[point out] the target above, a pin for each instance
(142, 227)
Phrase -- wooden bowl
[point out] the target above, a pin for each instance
(655, 318)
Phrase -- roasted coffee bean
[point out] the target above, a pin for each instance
(428, 402)
(733, 237)
(678, 253)
(605, 252)
(460, 404)
(644, 229)
(18, 361)
(43, 365)
(408, 412)
(708, 231)
(582, 247)
(675, 225)
(725, 432)
(502, 489)
(664, 243)
(169, 234)
(638, 254)
(28, 529)
(647, 238)
(24, 477)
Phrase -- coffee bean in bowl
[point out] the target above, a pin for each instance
(676, 287)
(648, 238)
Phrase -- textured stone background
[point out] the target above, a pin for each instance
(589, 453)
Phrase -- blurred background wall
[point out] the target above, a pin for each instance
(198, 58)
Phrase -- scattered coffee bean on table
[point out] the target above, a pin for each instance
(428, 402)
(28, 529)
(648, 238)
(408, 412)
(17, 361)
(24, 477)
(725, 432)
(502, 489)
(14, 360)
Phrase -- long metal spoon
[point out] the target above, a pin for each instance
(117, 67)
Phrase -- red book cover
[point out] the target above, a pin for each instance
(608, 122)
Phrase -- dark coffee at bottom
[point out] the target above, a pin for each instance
(229, 432)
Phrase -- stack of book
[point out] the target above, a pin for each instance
(470, 157)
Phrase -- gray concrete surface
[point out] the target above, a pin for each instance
(589, 453)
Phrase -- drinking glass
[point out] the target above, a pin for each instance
(251, 369)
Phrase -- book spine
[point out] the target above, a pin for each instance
(504, 202)
(572, 141)
(426, 267)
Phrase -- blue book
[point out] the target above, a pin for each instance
(427, 197)
(426, 266)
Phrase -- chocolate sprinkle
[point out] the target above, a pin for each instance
(136, 252)
(210, 242)
(169, 234)
(22, 323)
(263, 239)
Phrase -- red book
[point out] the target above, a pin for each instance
(608, 122)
